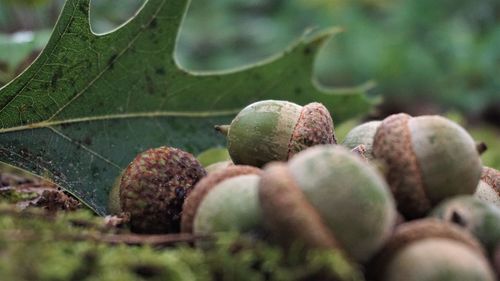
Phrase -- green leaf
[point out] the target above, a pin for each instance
(81, 112)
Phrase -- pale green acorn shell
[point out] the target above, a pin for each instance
(231, 205)
(362, 134)
(114, 207)
(218, 166)
(260, 133)
(447, 155)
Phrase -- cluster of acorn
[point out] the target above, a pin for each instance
(406, 197)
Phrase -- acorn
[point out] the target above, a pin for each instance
(274, 130)
(230, 206)
(327, 197)
(430, 250)
(362, 135)
(114, 207)
(217, 166)
(488, 189)
(428, 159)
(480, 218)
(205, 186)
(153, 188)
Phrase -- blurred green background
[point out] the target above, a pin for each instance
(426, 56)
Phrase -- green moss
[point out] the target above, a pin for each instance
(13, 196)
(36, 246)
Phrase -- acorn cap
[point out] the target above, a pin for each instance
(314, 198)
(206, 184)
(314, 127)
(491, 177)
(419, 230)
(153, 188)
(429, 158)
(480, 218)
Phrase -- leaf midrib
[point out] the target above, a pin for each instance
(148, 114)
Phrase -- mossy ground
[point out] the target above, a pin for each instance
(70, 245)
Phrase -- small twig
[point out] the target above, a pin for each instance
(158, 239)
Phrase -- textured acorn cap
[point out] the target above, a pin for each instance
(274, 130)
(203, 187)
(362, 135)
(429, 158)
(231, 205)
(480, 218)
(488, 189)
(314, 127)
(415, 264)
(153, 188)
(316, 196)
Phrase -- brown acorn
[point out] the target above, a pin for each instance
(204, 186)
(153, 188)
(430, 250)
(274, 130)
(429, 158)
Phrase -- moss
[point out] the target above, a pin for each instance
(13, 196)
(37, 246)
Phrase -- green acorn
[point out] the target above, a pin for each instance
(273, 130)
(480, 218)
(362, 135)
(231, 205)
(327, 197)
(430, 250)
(153, 188)
(206, 186)
(429, 158)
